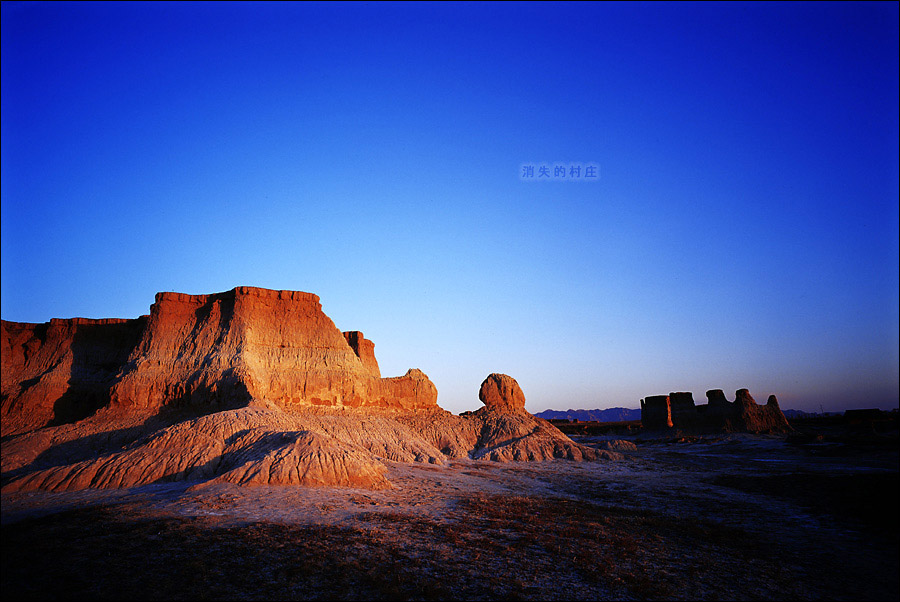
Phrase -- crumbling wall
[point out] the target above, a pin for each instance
(677, 410)
(656, 413)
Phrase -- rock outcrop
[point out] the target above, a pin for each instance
(364, 350)
(507, 432)
(501, 392)
(677, 410)
(219, 350)
(61, 371)
(251, 386)
(619, 445)
(252, 343)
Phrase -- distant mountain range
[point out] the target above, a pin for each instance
(608, 415)
(791, 414)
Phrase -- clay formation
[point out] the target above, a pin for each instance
(251, 386)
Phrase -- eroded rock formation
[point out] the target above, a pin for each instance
(250, 386)
(243, 446)
(501, 392)
(364, 350)
(221, 350)
(251, 343)
(677, 410)
(62, 370)
(507, 432)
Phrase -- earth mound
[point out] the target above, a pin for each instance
(507, 432)
(243, 446)
(502, 430)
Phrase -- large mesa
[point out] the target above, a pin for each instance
(222, 350)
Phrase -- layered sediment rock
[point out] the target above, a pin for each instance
(61, 371)
(219, 350)
(252, 343)
(364, 350)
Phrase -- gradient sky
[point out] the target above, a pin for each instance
(743, 231)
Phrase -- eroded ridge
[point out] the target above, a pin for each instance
(250, 386)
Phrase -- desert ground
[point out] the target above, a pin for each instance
(722, 517)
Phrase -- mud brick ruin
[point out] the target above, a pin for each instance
(677, 410)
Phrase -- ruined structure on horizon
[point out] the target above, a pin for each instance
(677, 410)
(249, 386)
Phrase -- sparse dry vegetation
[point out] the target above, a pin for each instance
(487, 547)
(726, 518)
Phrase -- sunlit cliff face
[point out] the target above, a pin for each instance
(221, 350)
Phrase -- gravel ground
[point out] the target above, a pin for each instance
(730, 517)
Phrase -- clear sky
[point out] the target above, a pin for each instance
(743, 231)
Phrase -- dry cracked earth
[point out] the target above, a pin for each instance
(734, 517)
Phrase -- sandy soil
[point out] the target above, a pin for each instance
(726, 517)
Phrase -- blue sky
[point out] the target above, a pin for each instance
(743, 231)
